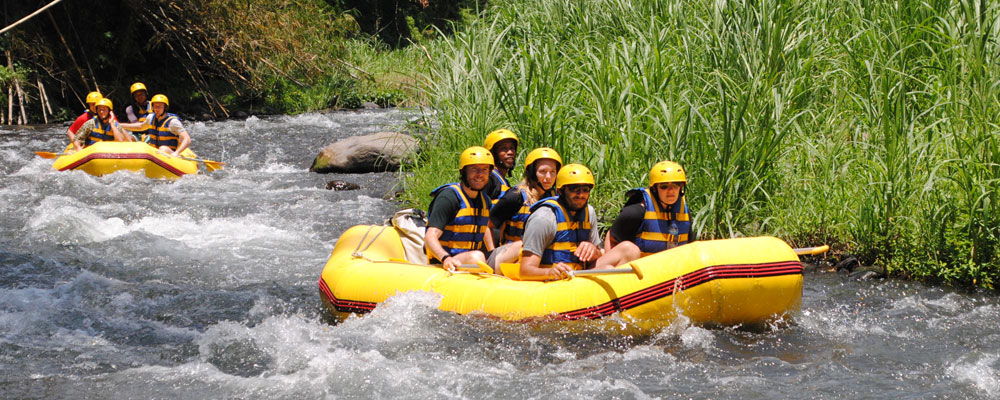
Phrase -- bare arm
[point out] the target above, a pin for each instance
(134, 126)
(609, 242)
(432, 240)
(119, 136)
(185, 142)
(529, 267)
(488, 238)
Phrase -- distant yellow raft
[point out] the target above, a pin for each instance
(724, 282)
(104, 158)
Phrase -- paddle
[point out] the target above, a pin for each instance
(479, 267)
(209, 164)
(47, 155)
(811, 251)
(513, 271)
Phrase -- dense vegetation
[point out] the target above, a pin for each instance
(217, 56)
(868, 125)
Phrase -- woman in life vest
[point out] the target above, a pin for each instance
(511, 211)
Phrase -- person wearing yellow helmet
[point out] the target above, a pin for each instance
(101, 128)
(512, 210)
(458, 217)
(164, 129)
(503, 144)
(140, 107)
(561, 233)
(654, 218)
(88, 114)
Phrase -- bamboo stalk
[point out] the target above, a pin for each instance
(30, 16)
(41, 88)
(10, 105)
(23, 118)
(41, 99)
(69, 52)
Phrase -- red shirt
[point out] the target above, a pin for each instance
(83, 118)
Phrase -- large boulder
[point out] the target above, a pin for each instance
(378, 152)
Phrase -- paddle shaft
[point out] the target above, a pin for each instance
(811, 251)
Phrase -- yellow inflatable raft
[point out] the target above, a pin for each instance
(723, 282)
(103, 158)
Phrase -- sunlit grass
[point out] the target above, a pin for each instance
(870, 126)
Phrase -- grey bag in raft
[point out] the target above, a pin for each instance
(411, 224)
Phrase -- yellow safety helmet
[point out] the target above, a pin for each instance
(542, 153)
(137, 87)
(160, 99)
(574, 174)
(666, 171)
(475, 155)
(94, 97)
(496, 136)
(105, 102)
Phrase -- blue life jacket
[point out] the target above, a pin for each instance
(662, 229)
(467, 230)
(513, 229)
(146, 112)
(101, 132)
(504, 186)
(569, 234)
(160, 134)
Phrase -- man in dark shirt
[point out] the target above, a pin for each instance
(502, 143)
(457, 223)
(653, 219)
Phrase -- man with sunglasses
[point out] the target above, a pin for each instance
(653, 219)
(561, 233)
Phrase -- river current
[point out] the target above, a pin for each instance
(206, 287)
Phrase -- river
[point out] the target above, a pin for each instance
(124, 287)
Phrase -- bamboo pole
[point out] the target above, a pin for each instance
(11, 26)
(48, 105)
(69, 52)
(23, 118)
(41, 99)
(10, 104)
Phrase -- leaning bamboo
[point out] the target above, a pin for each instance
(41, 99)
(10, 105)
(48, 105)
(23, 118)
(69, 52)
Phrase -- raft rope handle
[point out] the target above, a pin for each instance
(358, 252)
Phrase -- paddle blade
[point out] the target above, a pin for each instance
(636, 270)
(46, 155)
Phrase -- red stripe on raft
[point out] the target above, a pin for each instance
(631, 300)
(683, 282)
(361, 307)
(124, 156)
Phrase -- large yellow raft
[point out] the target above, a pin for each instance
(104, 158)
(719, 282)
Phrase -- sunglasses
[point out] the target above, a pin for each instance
(578, 188)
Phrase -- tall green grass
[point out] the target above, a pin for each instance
(867, 125)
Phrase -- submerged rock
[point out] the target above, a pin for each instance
(378, 152)
(867, 273)
(851, 266)
(341, 185)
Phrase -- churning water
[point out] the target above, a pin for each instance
(124, 287)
